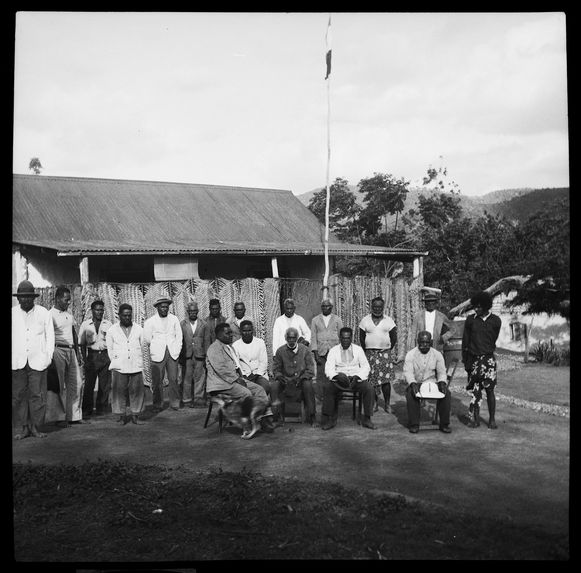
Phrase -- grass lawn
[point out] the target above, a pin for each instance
(537, 382)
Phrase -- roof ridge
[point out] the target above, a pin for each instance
(151, 182)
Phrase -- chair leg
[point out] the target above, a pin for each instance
(354, 396)
(282, 405)
(220, 420)
(208, 414)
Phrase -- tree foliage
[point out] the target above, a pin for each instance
(35, 166)
(466, 254)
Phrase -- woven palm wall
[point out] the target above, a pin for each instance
(262, 297)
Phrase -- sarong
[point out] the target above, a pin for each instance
(381, 367)
(481, 375)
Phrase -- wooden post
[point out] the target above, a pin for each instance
(84, 270)
(526, 335)
(274, 263)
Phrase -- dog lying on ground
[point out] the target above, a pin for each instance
(245, 414)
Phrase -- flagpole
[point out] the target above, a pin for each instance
(328, 192)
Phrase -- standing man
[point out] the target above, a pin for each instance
(32, 351)
(253, 356)
(162, 334)
(293, 372)
(378, 335)
(225, 375)
(93, 343)
(65, 407)
(214, 318)
(325, 328)
(236, 320)
(481, 332)
(124, 341)
(196, 341)
(289, 320)
(426, 364)
(433, 321)
(347, 368)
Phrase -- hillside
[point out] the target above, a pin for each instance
(516, 204)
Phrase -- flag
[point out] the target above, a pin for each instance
(328, 43)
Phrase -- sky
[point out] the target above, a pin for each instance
(240, 98)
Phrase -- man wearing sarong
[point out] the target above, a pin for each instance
(481, 332)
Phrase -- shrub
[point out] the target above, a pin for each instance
(547, 352)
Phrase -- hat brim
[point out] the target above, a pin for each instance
(429, 390)
(35, 294)
(157, 302)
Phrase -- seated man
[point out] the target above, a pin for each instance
(253, 356)
(294, 369)
(224, 375)
(346, 368)
(426, 364)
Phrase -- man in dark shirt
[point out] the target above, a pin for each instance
(294, 370)
(214, 318)
(481, 332)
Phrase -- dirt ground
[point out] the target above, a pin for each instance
(518, 473)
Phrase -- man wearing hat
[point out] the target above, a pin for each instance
(432, 320)
(32, 350)
(162, 333)
(425, 373)
(346, 368)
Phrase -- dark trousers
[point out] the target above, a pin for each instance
(158, 369)
(277, 388)
(331, 395)
(260, 380)
(97, 368)
(320, 382)
(28, 396)
(443, 406)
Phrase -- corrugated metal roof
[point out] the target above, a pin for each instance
(103, 216)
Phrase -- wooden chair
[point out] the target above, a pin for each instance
(221, 421)
(355, 395)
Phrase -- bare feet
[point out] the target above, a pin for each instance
(36, 434)
(24, 433)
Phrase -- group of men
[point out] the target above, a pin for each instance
(220, 355)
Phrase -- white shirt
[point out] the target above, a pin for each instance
(88, 335)
(63, 322)
(357, 366)
(282, 323)
(32, 338)
(430, 320)
(125, 352)
(161, 333)
(253, 356)
(377, 335)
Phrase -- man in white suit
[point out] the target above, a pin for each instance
(32, 350)
(162, 333)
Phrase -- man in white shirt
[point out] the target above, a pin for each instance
(32, 350)
(253, 356)
(94, 351)
(124, 341)
(347, 368)
(162, 334)
(235, 321)
(289, 320)
(63, 404)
